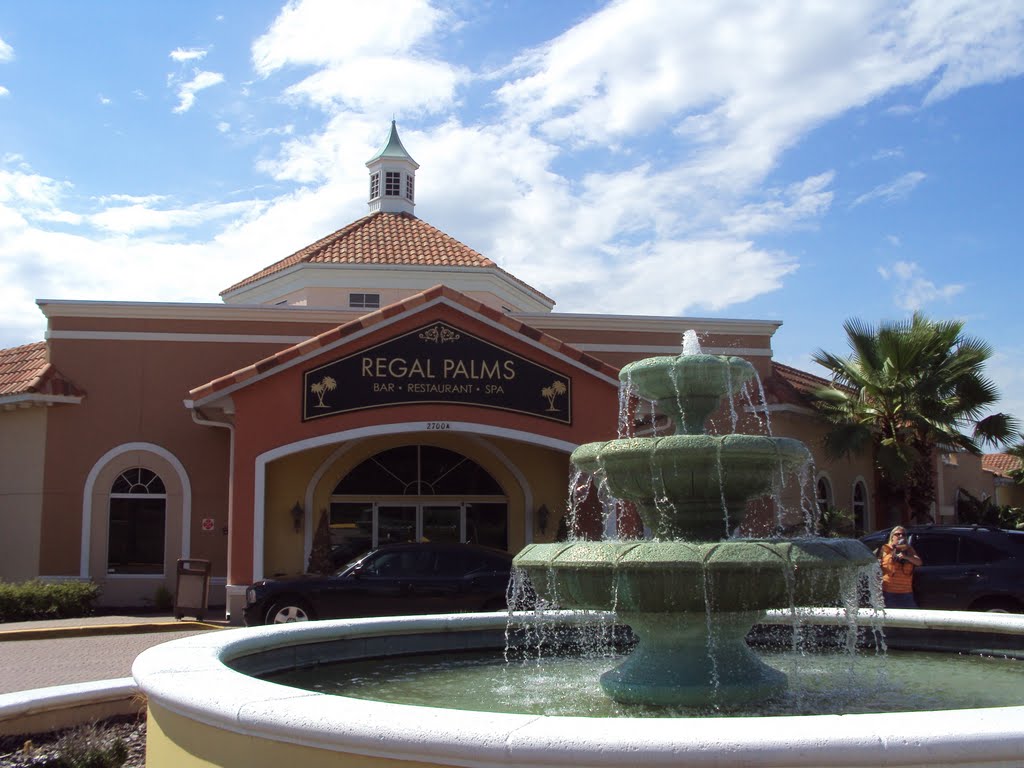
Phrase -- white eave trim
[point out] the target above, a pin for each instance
(29, 400)
(650, 349)
(655, 323)
(404, 276)
(138, 310)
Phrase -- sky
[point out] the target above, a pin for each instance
(802, 162)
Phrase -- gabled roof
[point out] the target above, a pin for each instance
(312, 346)
(792, 386)
(391, 239)
(1000, 463)
(26, 376)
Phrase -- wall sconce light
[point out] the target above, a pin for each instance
(297, 515)
(542, 518)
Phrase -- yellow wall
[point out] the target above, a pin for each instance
(21, 478)
(544, 470)
(173, 741)
(841, 473)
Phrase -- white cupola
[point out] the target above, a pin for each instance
(392, 177)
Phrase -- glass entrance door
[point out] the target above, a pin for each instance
(396, 523)
(442, 522)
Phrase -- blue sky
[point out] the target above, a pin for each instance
(787, 160)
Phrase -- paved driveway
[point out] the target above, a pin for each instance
(58, 661)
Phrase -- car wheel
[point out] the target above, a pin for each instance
(288, 611)
(997, 605)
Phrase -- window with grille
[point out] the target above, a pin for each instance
(824, 494)
(364, 301)
(392, 183)
(137, 523)
(408, 187)
(375, 185)
(860, 507)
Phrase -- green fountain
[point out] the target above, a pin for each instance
(692, 593)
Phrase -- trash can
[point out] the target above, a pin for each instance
(193, 588)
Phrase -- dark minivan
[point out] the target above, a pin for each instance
(393, 580)
(965, 568)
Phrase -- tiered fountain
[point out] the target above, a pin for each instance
(689, 596)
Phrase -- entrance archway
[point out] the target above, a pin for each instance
(417, 492)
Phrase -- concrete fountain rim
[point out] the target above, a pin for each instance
(190, 677)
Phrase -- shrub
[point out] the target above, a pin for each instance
(163, 599)
(89, 747)
(32, 600)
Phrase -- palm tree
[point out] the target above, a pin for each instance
(909, 389)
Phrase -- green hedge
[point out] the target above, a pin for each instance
(32, 600)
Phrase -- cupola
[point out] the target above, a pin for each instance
(392, 177)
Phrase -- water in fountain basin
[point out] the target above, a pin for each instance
(567, 685)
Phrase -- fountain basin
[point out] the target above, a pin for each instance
(202, 712)
(692, 486)
(737, 575)
(671, 592)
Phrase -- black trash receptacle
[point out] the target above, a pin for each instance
(193, 588)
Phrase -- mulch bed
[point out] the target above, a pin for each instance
(39, 750)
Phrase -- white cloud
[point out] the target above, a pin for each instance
(187, 91)
(324, 32)
(913, 289)
(103, 99)
(888, 153)
(369, 57)
(4, 91)
(141, 217)
(188, 54)
(688, 113)
(6, 51)
(897, 189)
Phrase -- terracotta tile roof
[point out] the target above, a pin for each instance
(374, 318)
(791, 385)
(385, 238)
(26, 370)
(1000, 463)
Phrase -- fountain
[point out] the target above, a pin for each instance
(689, 596)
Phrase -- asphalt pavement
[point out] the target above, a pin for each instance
(39, 654)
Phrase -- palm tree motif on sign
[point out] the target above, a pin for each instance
(551, 392)
(320, 388)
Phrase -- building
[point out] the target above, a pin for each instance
(387, 377)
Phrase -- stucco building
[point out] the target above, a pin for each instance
(387, 376)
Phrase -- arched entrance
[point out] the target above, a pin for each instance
(417, 492)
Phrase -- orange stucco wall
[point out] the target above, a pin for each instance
(268, 415)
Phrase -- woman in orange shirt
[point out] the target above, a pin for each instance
(898, 562)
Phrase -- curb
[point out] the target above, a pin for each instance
(87, 630)
(42, 710)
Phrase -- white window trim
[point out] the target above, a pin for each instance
(90, 484)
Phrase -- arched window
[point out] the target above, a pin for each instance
(418, 492)
(860, 507)
(823, 492)
(137, 523)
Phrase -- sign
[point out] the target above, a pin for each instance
(436, 363)
(207, 524)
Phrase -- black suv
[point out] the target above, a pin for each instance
(393, 580)
(965, 568)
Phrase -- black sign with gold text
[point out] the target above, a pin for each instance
(437, 363)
